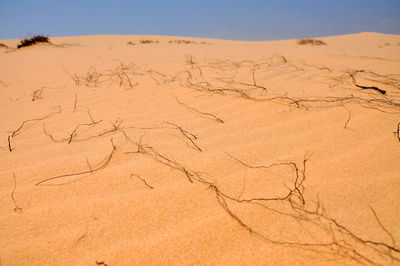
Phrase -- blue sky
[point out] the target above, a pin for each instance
(223, 19)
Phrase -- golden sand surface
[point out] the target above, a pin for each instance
(153, 150)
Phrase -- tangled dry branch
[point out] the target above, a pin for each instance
(339, 240)
(244, 79)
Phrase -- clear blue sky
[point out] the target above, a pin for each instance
(224, 19)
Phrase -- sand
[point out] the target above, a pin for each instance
(200, 152)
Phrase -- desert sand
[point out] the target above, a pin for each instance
(150, 150)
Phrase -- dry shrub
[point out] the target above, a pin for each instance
(185, 42)
(310, 42)
(2, 45)
(131, 43)
(180, 41)
(33, 40)
(148, 41)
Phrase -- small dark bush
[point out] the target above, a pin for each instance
(311, 42)
(147, 41)
(181, 41)
(33, 40)
(185, 42)
(2, 45)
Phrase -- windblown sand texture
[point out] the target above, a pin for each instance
(124, 150)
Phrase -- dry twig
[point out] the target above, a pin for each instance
(144, 181)
(396, 133)
(9, 144)
(99, 168)
(17, 131)
(187, 135)
(16, 207)
(213, 117)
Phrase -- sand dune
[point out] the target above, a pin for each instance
(121, 150)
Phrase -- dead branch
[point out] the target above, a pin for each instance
(154, 73)
(79, 239)
(115, 127)
(317, 66)
(383, 228)
(9, 144)
(16, 207)
(296, 191)
(144, 181)
(352, 75)
(73, 133)
(348, 118)
(90, 167)
(17, 131)
(213, 117)
(76, 101)
(123, 74)
(186, 134)
(372, 88)
(37, 95)
(342, 247)
(223, 80)
(343, 242)
(158, 157)
(99, 168)
(91, 79)
(101, 263)
(52, 137)
(3, 84)
(90, 116)
(396, 133)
